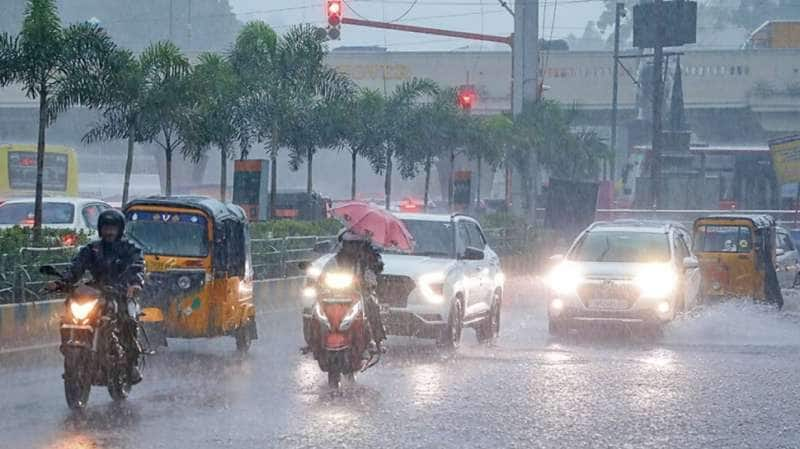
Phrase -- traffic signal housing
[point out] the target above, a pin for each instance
(334, 11)
(467, 97)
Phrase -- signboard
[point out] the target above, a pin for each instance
(462, 188)
(785, 154)
(250, 190)
(22, 171)
(678, 23)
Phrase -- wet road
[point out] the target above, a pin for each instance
(726, 377)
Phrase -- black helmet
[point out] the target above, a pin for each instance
(111, 217)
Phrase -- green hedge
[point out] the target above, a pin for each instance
(293, 228)
(12, 240)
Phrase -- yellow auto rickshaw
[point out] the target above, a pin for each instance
(199, 272)
(737, 256)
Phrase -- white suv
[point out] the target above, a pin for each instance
(452, 279)
(623, 272)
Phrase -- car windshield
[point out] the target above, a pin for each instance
(22, 213)
(622, 246)
(722, 239)
(431, 238)
(169, 234)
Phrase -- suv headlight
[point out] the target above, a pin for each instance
(656, 280)
(564, 278)
(432, 286)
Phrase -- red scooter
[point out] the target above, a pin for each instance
(340, 335)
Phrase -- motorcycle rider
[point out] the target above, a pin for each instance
(112, 261)
(357, 253)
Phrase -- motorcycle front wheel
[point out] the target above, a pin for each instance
(77, 377)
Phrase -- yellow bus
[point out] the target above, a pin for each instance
(18, 170)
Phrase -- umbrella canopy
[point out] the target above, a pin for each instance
(381, 227)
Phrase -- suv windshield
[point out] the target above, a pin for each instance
(431, 238)
(168, 234)
(22, 213)
(621, 246)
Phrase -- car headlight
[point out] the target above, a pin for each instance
(81, 311)
(432, 286)
(564, 278)
(338, 281)
(313, 272)
(351, 316)
(656, 281)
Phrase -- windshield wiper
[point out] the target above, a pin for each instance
(605, 251)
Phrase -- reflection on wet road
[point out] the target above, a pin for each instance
(725, 377)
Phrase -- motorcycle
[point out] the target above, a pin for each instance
(91, 341)
(339, 333)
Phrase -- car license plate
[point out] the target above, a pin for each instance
(608, 304)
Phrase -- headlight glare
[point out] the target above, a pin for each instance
(81, 311)
(309, 293)
(338, 281)
(564, 278)
(432, 286)
(313, 272)
(656, 281)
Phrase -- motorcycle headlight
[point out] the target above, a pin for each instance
(432, 286)
(309, 293)
(338, 281)
(656, 281)
(351, 316)
(564, 278)
(80, 311)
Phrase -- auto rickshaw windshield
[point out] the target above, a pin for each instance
(723, 239)
(169, 234)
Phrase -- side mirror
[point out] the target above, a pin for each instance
(323, 247)
(690, 263)
(49, 270)
(474, 254)
(780, 251)
(303, 265)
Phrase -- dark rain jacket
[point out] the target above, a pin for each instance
(119, 264)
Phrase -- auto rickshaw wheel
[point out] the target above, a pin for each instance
(244, 336)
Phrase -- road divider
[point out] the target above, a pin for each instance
(35, 324)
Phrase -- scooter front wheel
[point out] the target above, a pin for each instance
(334, 378)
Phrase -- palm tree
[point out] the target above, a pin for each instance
(362, 118)
(166, 109)
(397, 114)
(54, 65)
(491, 136)
(214, 116)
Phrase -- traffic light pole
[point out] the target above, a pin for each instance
(426, 30)
(658, 88)
(615, 93)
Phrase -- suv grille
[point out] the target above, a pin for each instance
(393, 291)
(608, 290)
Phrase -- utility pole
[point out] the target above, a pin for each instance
(170, 20)
(525, 73)
(620, 11)
(658, 88)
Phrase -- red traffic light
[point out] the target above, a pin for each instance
(334, 12)
(467, 97)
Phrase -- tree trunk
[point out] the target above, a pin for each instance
(310, 168)
(37, 207)
(387, 182)
(223, 173)
(168, 156)
(354, 156)
(478, 185)
(427, 183)
(126, 183)
(273, 172)
(451, 180)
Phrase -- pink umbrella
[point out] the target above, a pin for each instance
(381, 227)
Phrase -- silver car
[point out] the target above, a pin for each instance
(628, 273)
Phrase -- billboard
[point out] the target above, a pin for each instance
(250, 190)
(678, 23)
(785, 153)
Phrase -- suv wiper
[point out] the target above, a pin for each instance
(605, 251)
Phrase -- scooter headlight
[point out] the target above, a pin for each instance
(338, 281)
(351, 316)
(80, 311)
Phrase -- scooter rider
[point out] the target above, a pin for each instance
(358, 253)
(112, 261)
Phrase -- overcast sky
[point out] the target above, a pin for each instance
(485, 16)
